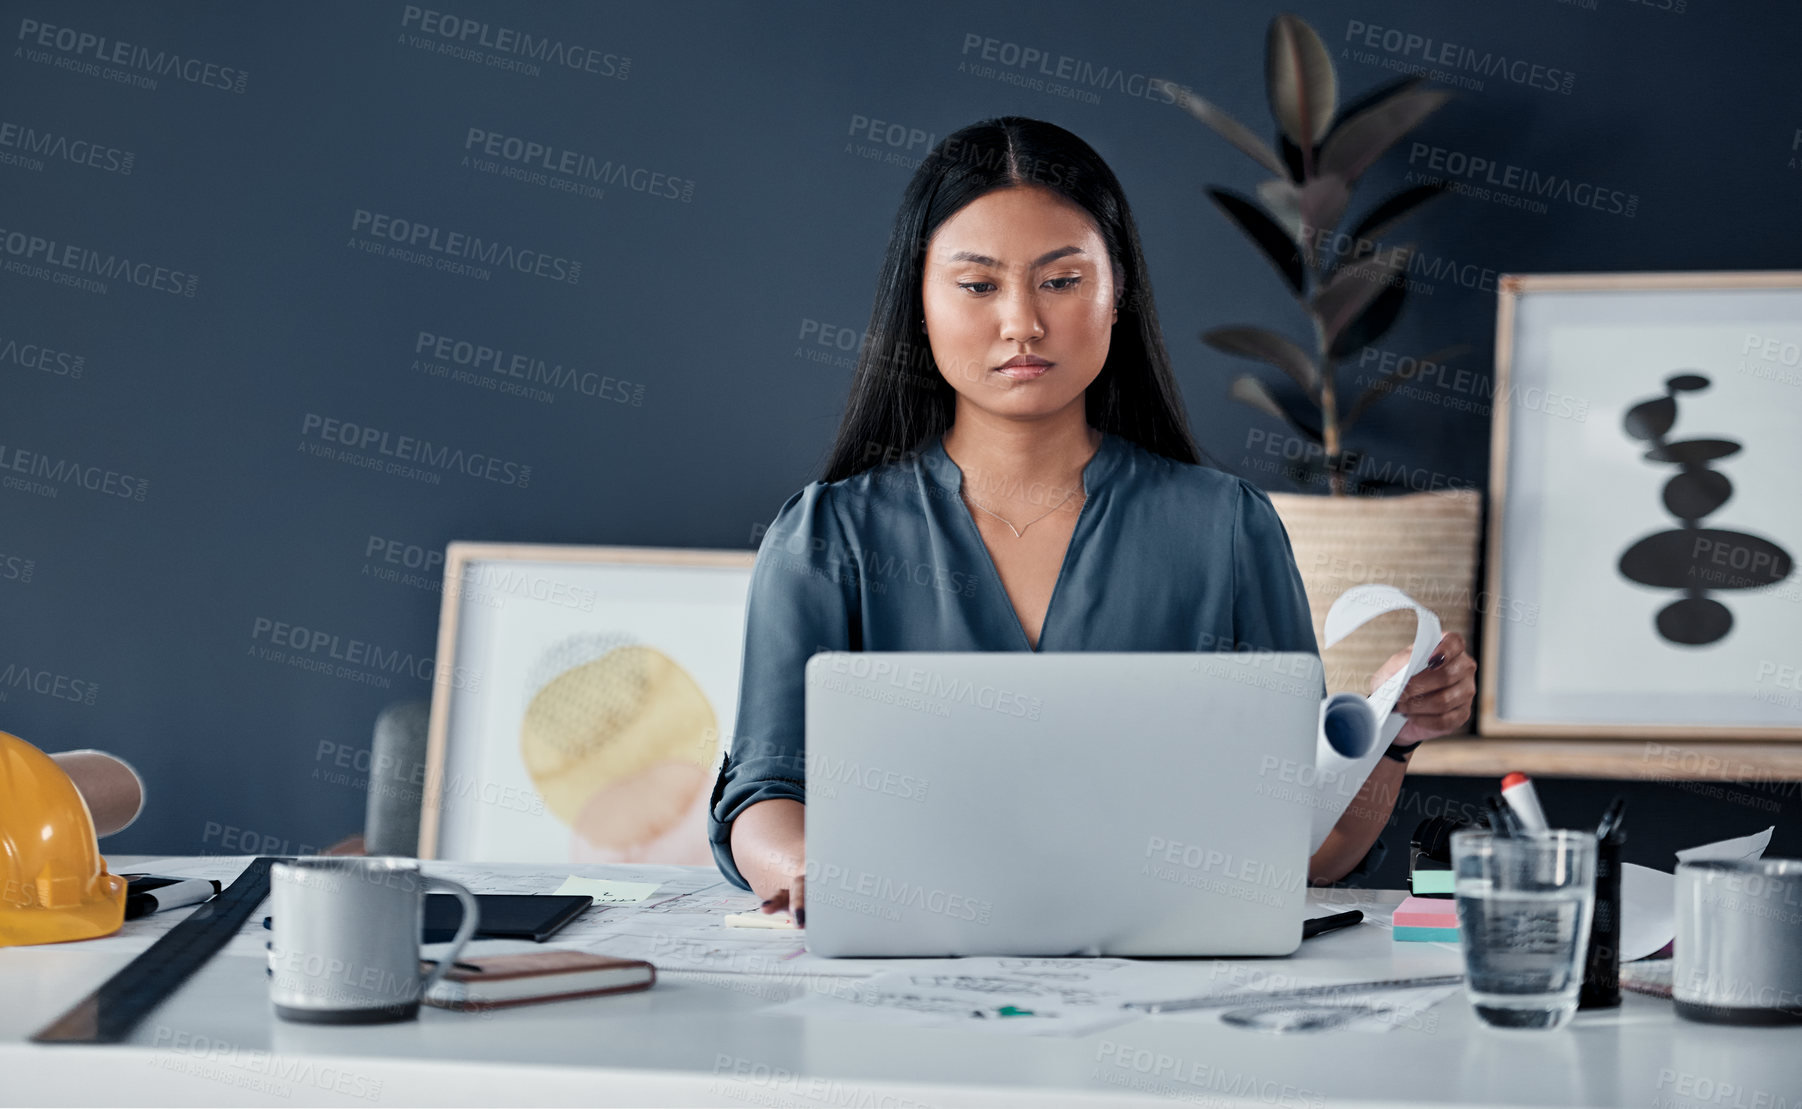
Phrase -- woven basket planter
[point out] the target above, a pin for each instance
(1424, 544)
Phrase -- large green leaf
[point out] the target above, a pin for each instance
(1352, 289)
(1371, 97)
(1323, 200)
(1267, 346)
(1291, 155)
(1298, 74)
(1270, 238)
(1247, 389)
(1231, 130)
(1372, 323)
(1282, 200)
(1354, 147)
(1393, 208)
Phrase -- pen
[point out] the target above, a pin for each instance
(1315, 926)
(1512, 822)
(1612, 818)
(177, 895)
(1496, 816)
(1523, 801)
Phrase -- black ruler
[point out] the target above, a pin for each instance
(108, 1015)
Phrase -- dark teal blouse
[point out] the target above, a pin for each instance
(1165, 556)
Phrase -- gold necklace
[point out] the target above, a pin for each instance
(1018, 532)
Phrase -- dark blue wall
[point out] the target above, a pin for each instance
(722, 273)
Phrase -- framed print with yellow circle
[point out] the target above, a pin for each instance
(583, 699)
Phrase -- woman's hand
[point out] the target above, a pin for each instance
(769, 844)
(790, 895)
(1437, 700)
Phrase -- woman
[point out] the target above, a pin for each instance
(1014, 471)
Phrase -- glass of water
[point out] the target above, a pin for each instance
(1524, 909)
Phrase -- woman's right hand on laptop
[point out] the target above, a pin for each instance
(769, 846)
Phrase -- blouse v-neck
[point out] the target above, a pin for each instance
(950, 477)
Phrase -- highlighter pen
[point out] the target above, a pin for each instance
(1314, 926)
(1518, 791)
(175, 896)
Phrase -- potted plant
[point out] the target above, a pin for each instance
(1351, 287)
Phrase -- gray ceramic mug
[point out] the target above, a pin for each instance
(345, 945)
(1738, 953)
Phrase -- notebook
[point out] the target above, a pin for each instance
(497, 981)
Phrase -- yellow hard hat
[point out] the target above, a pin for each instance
(54, 885)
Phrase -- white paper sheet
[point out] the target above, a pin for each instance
(1354, 730)
(1649, 897)
(607, 892)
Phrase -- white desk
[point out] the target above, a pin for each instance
(698, 1040)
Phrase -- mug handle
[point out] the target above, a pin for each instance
(471, 914)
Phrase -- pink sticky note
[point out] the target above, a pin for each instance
(1426, 912)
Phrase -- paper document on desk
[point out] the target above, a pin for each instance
(1372, 1011)
(1011, 997)
(1649, 897)
(1354, 730)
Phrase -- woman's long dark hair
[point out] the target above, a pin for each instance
(899, 399)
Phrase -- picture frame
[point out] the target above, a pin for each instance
(1620, 399)
(582, 699)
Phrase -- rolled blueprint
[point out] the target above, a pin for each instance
(1354, 730)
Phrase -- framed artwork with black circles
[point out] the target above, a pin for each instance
(1645, 509)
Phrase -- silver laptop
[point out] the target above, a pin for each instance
(1069, 803)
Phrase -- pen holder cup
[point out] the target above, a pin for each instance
(1602, 962)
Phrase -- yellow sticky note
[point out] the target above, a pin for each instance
(607, 892)
(757, 918)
